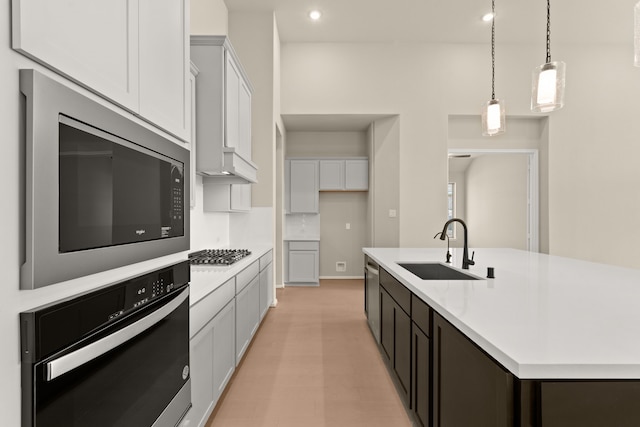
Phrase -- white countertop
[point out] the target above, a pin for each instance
(542, 316)
(205, 280)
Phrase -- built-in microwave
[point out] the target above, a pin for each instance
(102, 191)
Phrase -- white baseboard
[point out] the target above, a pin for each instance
(341, 277)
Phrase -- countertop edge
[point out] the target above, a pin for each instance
(525, 369)
(205, 280)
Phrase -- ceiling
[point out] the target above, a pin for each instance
(447, 21)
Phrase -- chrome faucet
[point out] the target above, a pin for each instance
(466, 262)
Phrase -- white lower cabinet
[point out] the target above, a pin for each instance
(247, 316)
(266, 289)
(213, 362)
(212, 355)
(303, 263)
(247, 307)
(221, 327)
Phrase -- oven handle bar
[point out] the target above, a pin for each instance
(68, 362)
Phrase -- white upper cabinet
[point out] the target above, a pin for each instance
(356, 175)
(232, 103)
(164, 65)
(132, 52)
(92, 42)
(302, 180)
(331, 175)
(223, 112)
(344, 174)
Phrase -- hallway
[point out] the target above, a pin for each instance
(313, 363)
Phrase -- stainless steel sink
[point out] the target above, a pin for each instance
(436, 271)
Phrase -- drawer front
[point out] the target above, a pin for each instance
(304, 246)
(266, 260)
(209, 306)
(246, 276)
(421, 314)
(397, 290)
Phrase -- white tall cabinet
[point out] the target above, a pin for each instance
(132, 52)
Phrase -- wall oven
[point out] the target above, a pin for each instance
(117, 356)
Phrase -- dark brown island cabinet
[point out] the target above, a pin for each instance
(446, 380)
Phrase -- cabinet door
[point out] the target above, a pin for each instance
(420, 364)
(266, 284)
(402, 349)
(244, 120)
(303, 266)
(202, 388)
(192, 119)
(164, 65)
(243, 317)
(254, 306)
(224, 357)
(232, 102)
(93, 43)
(387, 307)
(240, 197)
(356, 175)
(469, 388)
(303, 186)
(331, 174)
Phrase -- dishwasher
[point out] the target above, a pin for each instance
(372, 297)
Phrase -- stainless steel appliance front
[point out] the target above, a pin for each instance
(52, 111)
(118, 356)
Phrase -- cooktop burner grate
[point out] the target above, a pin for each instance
(217, 256)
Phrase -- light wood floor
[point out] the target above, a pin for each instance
(312, 363)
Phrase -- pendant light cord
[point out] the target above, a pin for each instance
(493, 50)
(548, 31)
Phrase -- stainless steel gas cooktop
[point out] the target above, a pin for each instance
(217, 256)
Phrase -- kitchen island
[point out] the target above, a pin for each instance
(549, 341)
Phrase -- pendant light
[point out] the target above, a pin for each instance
(547, 92)
(493, 122)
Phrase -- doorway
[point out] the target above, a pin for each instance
(496, 191)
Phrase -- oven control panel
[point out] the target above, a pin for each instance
(148, 288)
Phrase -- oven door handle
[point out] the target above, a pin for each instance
(68, 362)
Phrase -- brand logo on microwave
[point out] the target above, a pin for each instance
(140, 232)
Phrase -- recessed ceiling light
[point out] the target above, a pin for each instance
(315, 15)
(487, 17)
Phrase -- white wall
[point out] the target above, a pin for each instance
(592, 179)
(209, 17)
(496, 201)
(594, 156)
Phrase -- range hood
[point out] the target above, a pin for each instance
(228, 168)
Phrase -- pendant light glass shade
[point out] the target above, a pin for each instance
(493, 118)
(547, 84)
(636, 34)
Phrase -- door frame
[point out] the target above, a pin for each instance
(533, 187)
